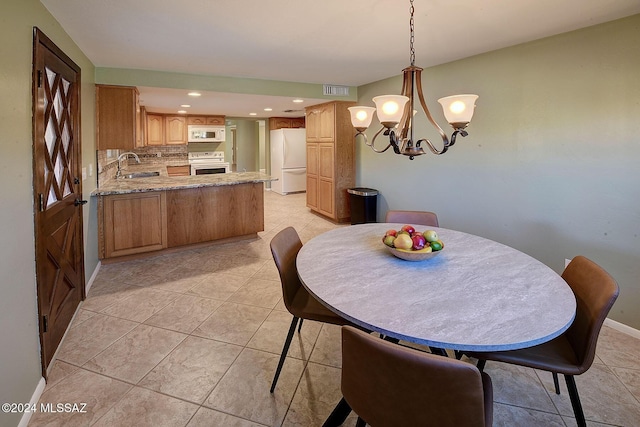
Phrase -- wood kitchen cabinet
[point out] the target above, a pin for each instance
(184, 170)
(330, 159)
(175, 130)
(118, 118)
(286, 122)
(155, 130)
(206, 120)
(132, 223)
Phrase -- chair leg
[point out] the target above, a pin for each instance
(575, 400)
(285, 349)
(300, 325)
(481, 364)
(338, 415)
(556, 383)
(360, 422)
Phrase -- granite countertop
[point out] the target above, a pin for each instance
(164, 182)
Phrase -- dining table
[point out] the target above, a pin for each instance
(475, 294)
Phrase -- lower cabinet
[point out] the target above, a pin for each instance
(133, 223)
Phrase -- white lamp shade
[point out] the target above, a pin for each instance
(458, 108)
(361, 116)
(390, 107)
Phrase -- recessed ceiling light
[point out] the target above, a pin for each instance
(268, 109)
(182, 112)
(298, 101)
(185, 106)
(194, 94)
(253, 114)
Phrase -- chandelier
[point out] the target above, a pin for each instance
(395, 113)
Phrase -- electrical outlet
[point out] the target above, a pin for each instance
(159, 154)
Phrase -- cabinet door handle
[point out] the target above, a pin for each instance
(79, 202)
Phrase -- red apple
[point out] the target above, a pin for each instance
(418, 241)
(408, 228)
(391, 232)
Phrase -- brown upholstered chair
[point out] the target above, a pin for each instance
(389, 385)
(413, 217)
(285, 247)
(571, 353)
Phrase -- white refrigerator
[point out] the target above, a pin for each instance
(289, 160)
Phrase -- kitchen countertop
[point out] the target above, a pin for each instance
(164, 182)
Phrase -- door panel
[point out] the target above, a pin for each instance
(57, 192)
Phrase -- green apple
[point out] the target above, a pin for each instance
(430, 236)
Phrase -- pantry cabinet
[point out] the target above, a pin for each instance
(330, 159)
(118, 118)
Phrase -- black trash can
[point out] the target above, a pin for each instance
(364, 205)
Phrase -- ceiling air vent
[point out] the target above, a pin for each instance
(292, 111)
(333, 90)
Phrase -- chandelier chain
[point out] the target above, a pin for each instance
(412, 51)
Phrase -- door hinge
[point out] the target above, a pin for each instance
(41, 202)
(45, 323)
(39, 78)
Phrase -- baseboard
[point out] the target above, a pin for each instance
(621, 327)
(92, 278)
(26, 417)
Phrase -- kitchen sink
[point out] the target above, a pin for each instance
(139, 175)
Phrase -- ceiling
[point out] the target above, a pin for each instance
(351, 42)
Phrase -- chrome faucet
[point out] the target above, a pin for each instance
(123, 156)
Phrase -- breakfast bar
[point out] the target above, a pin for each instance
(154, 213)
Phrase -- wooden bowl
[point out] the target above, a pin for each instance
(412, 255)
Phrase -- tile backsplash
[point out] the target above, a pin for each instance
(152, 156)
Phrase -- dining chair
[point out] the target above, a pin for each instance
(299, 302)
(389, 385)
(412, 217)
(571, 353)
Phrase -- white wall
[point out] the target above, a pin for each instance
(550, 165)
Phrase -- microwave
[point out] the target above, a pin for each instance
(205, 133)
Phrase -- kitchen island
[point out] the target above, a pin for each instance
(151, 214)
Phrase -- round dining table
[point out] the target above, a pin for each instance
(475, 294)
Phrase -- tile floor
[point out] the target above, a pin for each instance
(193, 338)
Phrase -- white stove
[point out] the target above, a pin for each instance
(207, 162)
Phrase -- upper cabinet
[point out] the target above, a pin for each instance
(118, 118)
(155, 129)
(321, 122)
(206, 120)
(175, 128)
(285, 122)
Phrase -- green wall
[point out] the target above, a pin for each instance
(550, 165)
(20, 351)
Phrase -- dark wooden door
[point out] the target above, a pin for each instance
(57, 191)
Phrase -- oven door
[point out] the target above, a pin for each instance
(206, 169)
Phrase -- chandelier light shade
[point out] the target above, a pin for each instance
(395, 113)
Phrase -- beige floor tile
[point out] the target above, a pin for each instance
(241, 265)
(180, 279)
(135, 354)
(106, 292)
(258, 292)
(206, 417)
(280, 306)
(630, 378)
(511, 416)
(328, 350)
(519, 386)
(81, 316)
(273, 332)
(617, 349)
(98, 392)
(268, 271)
(91, 337)
(219, 286)
(244, 390)
(59, 370)
(184, 314)
(317, 395)
(604, 398)
(141, 304)
(192, 369)
(233, 323)
(141, 407)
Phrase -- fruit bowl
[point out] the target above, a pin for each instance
(409, 255)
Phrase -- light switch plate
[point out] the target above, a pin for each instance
(84, 173)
